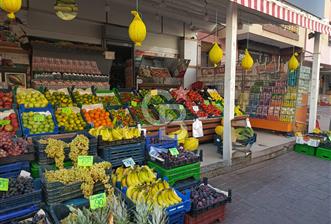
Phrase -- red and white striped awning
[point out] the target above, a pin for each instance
(287, 13)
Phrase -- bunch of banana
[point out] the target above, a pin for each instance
(215, 95)
(181, 135)
(157, 193)
(238, 111)
(109, 134)
(133, 176)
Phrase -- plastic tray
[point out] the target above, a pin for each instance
(14, 169)
(165, 142)
(26, 131)
(178, 173)
(115, 154)
(57, 192)
(19, 201)
(41, 156)
(305, 149)
(19, 214)
(29, 156)
(323, 153)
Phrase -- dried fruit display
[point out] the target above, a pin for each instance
(123, 116)
(97, 117)
(38, 122)
(9, 122)
(6, 100)
(10, 146)
(70, 119)
(59, 98)
(18, 186)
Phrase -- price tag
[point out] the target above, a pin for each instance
(129, 162)
(38, 117)
(4, 122)
(98, 201)
(207, 102)
(173, 151)
(154, 92)
(66, 110)
(195, 108)
(181, 107)
(4, 182)
(133, 103)
(85, 161)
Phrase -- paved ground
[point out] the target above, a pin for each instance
(289, 189)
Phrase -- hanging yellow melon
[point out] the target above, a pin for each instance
(247, 61)
(293, 63)
(215, 54)
(137, 29)
(11, 6)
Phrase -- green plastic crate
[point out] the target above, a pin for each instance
(178, 173)
(305, 149)
(323, 153)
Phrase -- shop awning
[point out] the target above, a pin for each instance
(287, 13)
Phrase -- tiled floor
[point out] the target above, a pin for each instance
(265, 140)
(290, 189)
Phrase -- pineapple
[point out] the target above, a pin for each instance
(87, 216)
(141, 214)
(158, 216)
(119, 210)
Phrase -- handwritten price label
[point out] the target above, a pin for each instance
(66, 110)
(181, 107)
(4, 182)
(173, 151)
(38, 117)
(195, 108)
(154, 92)
(207, 102)
(85, 161)
(98, 201)
(4, 122)
(129, 162)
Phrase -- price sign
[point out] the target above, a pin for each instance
(85, 160)
(38, 117)
(154, 92)
(98, 201)
(173, 151)
(207, 102)
(195, 108)
(181, 107)
(133, 103)
(66, 110)
(4, 182)
(129, 162)
(4, 122)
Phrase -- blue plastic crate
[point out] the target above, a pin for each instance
(18, 213)
(14, 169)
(19, 201)
(164, 141)
(117, 153)
(26, 131)
(177, 218)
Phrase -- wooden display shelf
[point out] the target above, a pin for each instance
(271, 125)
(13, 49)
(208, 124)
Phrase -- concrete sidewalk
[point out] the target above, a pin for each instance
(290, 189)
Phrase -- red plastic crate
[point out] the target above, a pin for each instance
(207, 217)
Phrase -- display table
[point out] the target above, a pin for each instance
(208, 128)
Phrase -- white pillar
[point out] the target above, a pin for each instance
(189, 50)
(229, 79)
(314, 86)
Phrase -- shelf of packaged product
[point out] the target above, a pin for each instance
(208, 125)
(281, 126)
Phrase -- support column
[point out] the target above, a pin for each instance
(314, 85)
(229, 78)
